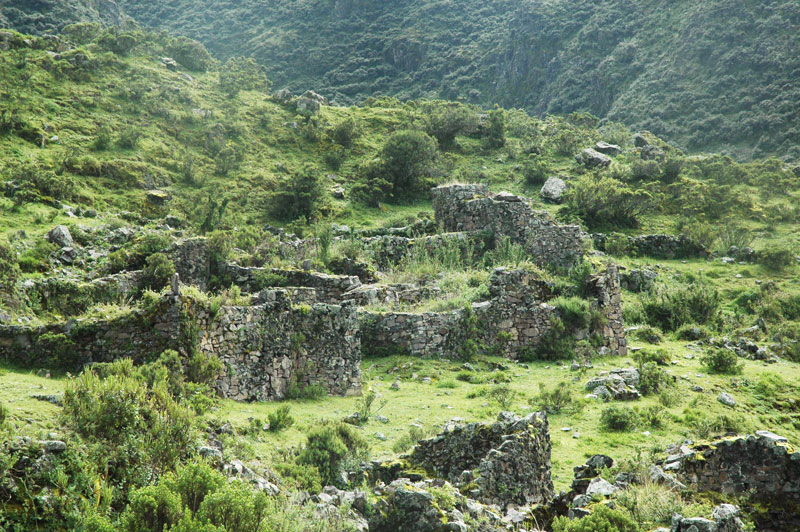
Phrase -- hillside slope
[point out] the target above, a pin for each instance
(709, 76)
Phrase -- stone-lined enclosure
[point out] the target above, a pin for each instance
(309, 329)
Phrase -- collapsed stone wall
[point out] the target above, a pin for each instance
(69, 297)
(762, 466)
(660, 246)
(762, 462)
(389, 250)
(192, 259)
(471, 208)
(265, 347)
(518, 308)
(327, 288)
(502, 463)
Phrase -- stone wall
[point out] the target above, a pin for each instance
(518, 308)
(69, 297)
(472, 208)
(660, 246)
(265, 347)
(505, 462)
(327, 288)
(763, 462)
(268, 347)
(390, 250)
(192, 261)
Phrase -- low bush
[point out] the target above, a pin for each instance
(329, 447)
(280, 419)
(605, 202)
(535, 171)
(602, 519)
(301, 477)
(619, 418)
(503, 395)
(412, 437)
(671, 305)
(235, 508)
(300, 195)
(152, 509)
(653, 379)
(777, 258)
(553, 401)
(722, 361)
(195, 481)
(649, 334)
(158, 271)
(691, 332)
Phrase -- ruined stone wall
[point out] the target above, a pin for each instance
(507, 461)
(138, 335)
(69, 297)
(660, 246)
(327, 288)
(764, 463)
(265, 347)
(394, 293)
(192, 261)
(473, 208)
(518, 308)
(390, 250)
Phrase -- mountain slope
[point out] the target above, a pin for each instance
(50, 16)
(715, 75)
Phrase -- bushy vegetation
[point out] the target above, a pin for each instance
(602, 519)
(722, 361)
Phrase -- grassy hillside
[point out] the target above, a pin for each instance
(104, 136)
(708, 76)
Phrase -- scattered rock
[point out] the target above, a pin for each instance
(639, 141)
(54, 446)
(60, 236)
(553, 190)
(726, 399)
(593, 159)
(608, 149)
(600, 486)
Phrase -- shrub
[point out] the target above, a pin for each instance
(37, 259)
(144, 429)
(402, 171)
(776, 258)
(194, 482)
(691, 332)
(619, 418)
(650, 503)
(280, 419)
(9, 269)
(553, 401)
(668, 306)
(346, 132)
(301, 477)
(298, 196)
(573, 311)
(158, 271)
(649, 334)
(329, 447)
(445, 120)
(645, 170)
(152, 509)
(495, 136)
(603, 201)
(234, 508)
(722, 361)
(535, 171)
(242, 74)
(602, 519)
(191, 54)
(412, 437)
(503, 395)
(128, 138)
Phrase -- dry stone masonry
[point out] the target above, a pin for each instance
(502, 463)
(472, 208)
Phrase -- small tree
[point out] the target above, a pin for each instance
(496, 132)
(298, 195)
(446, 120)
(242, 73)
(407, 159)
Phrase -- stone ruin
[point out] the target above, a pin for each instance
(472, 208)
(310, 330)
(502, 463)
(518, 308)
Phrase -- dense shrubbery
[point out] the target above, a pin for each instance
(242, 74)
(299, 195)
(605, 202)
(722, 361)
(329, 447)
(445, 120)
(602, 519)
(619, 418)
(402, 171)
(671, 305)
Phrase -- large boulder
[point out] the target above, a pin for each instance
(311, 95)
(639, 141)
(59, 235)
(608, 149)
(308, 105)
(653, 153)
(553, 190)
(593, 159)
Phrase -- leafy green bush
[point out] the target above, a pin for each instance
(194, 482)
(280, 419)
(329, 447)
(403, 170)
(129, 137)
(671, 305)
(553, 401)
(503, 395)
(37, 258)
(158, 271)
(722, 361)
(777, 258)
(235, 508)
(602, 519)
(152, 509)
(242, 74)
(619, 418)
(144, 430)
(300, 195)
(301, 477)
(691, 332)
(190, 53)
(346, 132)
(495, 135)
(649, 334)
(445, 120)
(412, 437)
(535, 171)
(606, 202)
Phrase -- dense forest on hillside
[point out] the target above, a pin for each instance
(707, 76)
